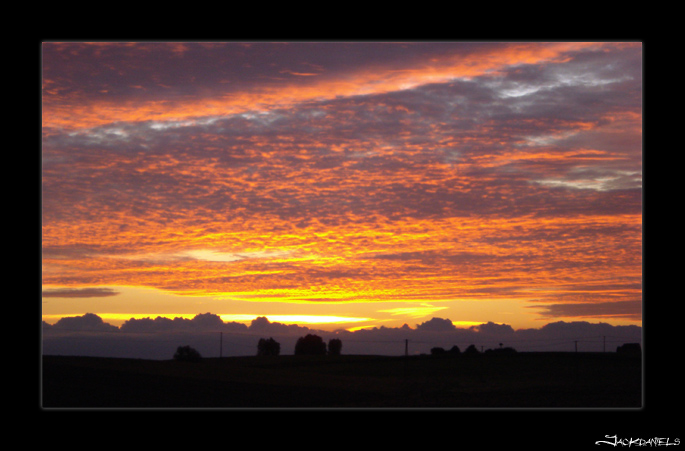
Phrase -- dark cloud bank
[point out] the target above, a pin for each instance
(158, 338)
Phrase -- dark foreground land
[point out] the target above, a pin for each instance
(542, 380)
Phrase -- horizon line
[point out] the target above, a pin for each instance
(305, 320)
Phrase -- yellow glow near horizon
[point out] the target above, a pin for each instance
(414, 312)
(295, 319)
(120, 318)
(469, 323)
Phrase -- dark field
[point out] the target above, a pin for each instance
(541, 380)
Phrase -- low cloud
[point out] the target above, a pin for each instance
(79, 293)
(493, 329)
(618, 309)
(436, 325)
(158, 338)
(200, 323)
(86, 323)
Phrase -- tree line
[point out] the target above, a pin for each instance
(472, 350)
(310, 344)
(314, 345)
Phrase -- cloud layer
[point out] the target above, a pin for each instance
(308, 172)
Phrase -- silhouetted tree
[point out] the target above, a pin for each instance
(268, 347)
(471, 350)
(437, 351)
(310, 345)
(334, 346)
(187, 354)
(454, 350)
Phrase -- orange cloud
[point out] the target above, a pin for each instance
(77, 111)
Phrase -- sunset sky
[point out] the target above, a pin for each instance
(343, 184)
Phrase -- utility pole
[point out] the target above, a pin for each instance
(221, 344)
(406, 347)
(604, 343)
(576, 342)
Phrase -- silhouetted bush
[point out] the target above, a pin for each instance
(334, 346)
(437, 351)
(187, 354)
(629, 349)
(268, 347)
(310, 345)
(454, 350)
(471, 350)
